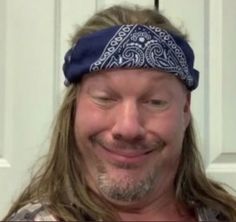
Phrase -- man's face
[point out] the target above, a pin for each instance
(129, 128)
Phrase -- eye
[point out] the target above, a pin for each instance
(104, 100)
(156, 103)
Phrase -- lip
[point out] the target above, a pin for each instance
(124, 156)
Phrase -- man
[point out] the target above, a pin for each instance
(123, 147)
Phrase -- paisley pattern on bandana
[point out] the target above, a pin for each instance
(131, 46)
(143, 47)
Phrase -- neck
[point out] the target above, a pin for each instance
(163, 209)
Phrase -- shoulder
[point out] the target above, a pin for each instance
(32, 212)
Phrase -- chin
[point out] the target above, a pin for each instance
(125, 188)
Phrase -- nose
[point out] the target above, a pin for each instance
(128, 125)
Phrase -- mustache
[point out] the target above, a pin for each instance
(120, 144)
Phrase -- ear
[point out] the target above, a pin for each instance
(187, 112)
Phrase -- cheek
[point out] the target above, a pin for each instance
(87, 124)
(171, 130)
(88, 120)
(170, 126)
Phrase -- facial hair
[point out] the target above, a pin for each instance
(126, 189)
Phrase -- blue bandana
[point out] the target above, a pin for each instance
(131, 46)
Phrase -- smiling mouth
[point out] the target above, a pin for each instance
(125, 157)
(128, 153)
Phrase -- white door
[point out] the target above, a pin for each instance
(28, 89)
(33, 39)
(212, 28)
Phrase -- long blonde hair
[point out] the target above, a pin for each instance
(60, 181)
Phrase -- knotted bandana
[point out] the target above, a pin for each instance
(131, 46)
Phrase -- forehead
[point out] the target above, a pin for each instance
(133, 78)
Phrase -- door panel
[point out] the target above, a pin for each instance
(210, 26)
(27, 89)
